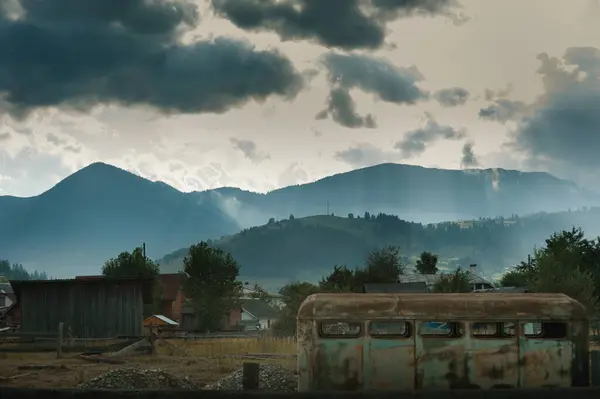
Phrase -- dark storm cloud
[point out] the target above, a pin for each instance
(371, 75)
(468, 159)
(375, 76)
(451, 97)
(563, 129)
(415, 142)
(345, 24)
(78, 54)
(342, 109)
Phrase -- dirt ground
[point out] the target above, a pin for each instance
(44, 370)
(203, 362)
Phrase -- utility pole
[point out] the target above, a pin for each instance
(327, 207)
(144, 249)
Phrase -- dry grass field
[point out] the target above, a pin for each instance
(202, 360)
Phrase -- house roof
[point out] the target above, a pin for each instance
(415, 286)
(164, 318)
(431, 279)
(259, 309)
(6, 288)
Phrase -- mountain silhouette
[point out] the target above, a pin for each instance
(98, 212)
(413, 193)
(101, 210)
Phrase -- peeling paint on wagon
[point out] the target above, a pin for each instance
(389, 364)
(464, 361)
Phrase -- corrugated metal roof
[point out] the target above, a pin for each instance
(431, 279)
(165, 319)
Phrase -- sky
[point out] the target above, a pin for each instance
(262, 94)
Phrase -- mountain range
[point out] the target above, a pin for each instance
(102, 210)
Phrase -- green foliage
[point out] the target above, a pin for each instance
(259, 292)
(569, 263)
(384, 265)
(494, 243)
(341, 279)
(293, 295)
(381, 266)
(16, 271)
(458, 281)
(211, 284)
(427, 263)
(133, 265)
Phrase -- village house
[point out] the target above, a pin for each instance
(251, 315)
(478, 283)
(274, 299)
(7, 306)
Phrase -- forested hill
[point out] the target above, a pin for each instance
(300, 246)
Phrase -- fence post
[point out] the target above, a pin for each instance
(595, 366)
(250, 373)
(59, 340)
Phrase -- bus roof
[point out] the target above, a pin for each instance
(438, 306)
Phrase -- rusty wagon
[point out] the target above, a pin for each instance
(415, 341)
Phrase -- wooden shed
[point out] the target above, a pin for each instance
(99, 308)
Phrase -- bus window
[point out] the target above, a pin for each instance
(441, 329)
(509, 329)
(340, 329)
(492, 330)
(389, 329)
(550, 330)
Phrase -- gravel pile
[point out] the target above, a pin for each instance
(271, 378)
(136, 378)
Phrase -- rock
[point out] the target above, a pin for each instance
(272, 378)
(137, 378)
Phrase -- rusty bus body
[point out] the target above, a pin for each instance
(414, 341)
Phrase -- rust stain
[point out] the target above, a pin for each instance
(546, 367)
(457, 306)
(496, 366)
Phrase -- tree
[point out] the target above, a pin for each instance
(133, 264)
(384, 265)
(136, 265)
(292, 217)
(16, 271)
(341, 279)
(427, 263)
(568, 263)
(513, 278)
(350, 216)
(211, 284)
(458, 281)
(293, 295)
(260, 293)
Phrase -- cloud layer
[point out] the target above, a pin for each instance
(76, 55)
(347, 24)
